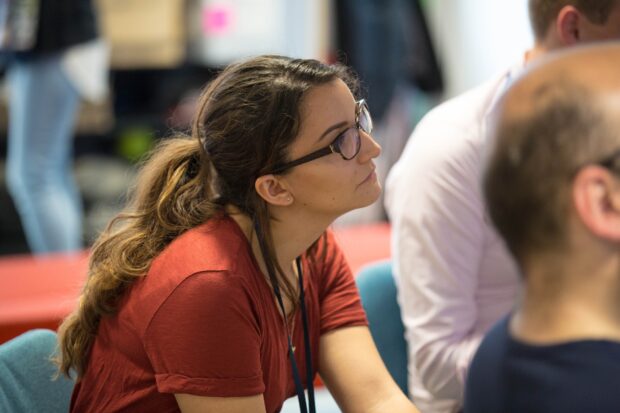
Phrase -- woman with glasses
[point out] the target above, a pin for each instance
(220, 288)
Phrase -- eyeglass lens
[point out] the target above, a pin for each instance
(348, 143)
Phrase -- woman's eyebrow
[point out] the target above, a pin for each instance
(331, 128)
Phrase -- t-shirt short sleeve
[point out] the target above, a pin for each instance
(340, 302)
(188, 339)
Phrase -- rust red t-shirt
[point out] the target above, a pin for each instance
(204, 321)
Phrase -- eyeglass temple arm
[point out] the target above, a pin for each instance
(310, 157)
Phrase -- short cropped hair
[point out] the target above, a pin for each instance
(528, 181)
(544, 12)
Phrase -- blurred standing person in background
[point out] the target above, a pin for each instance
(389, 45)
(53, 56)
(454, 274)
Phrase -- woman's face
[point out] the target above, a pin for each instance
(331, 185)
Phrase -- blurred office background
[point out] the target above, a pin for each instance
(410, 54)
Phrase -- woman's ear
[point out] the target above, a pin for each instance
(273, 190)
(596, 198)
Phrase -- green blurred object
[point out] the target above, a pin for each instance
(135, 142)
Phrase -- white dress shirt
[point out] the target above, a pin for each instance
(455, 277)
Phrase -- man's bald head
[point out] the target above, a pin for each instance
(560, 115)
(593, 69)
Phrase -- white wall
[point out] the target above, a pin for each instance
(477, 38)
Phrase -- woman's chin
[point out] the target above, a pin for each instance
(371, 194)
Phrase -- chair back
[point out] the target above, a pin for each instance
(378, 292)
(26, 375)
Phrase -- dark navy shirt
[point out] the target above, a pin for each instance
(507, 376)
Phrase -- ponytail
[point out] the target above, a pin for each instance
(173, 194)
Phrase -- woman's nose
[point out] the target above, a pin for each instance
(370, 148)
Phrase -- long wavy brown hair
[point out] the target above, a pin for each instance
(247, 118)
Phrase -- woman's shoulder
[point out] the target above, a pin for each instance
(215, 246)
(211, 257)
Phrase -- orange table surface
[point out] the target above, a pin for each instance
(38, 292)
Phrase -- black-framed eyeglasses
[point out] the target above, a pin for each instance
(347, 144)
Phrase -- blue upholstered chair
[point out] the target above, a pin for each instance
(26, 375)
(378, 292)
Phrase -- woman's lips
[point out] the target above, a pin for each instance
(372, 177)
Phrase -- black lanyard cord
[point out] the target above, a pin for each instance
(303, 408)
(304, 316)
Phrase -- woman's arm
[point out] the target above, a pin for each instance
(354, 373)
(189, 403)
